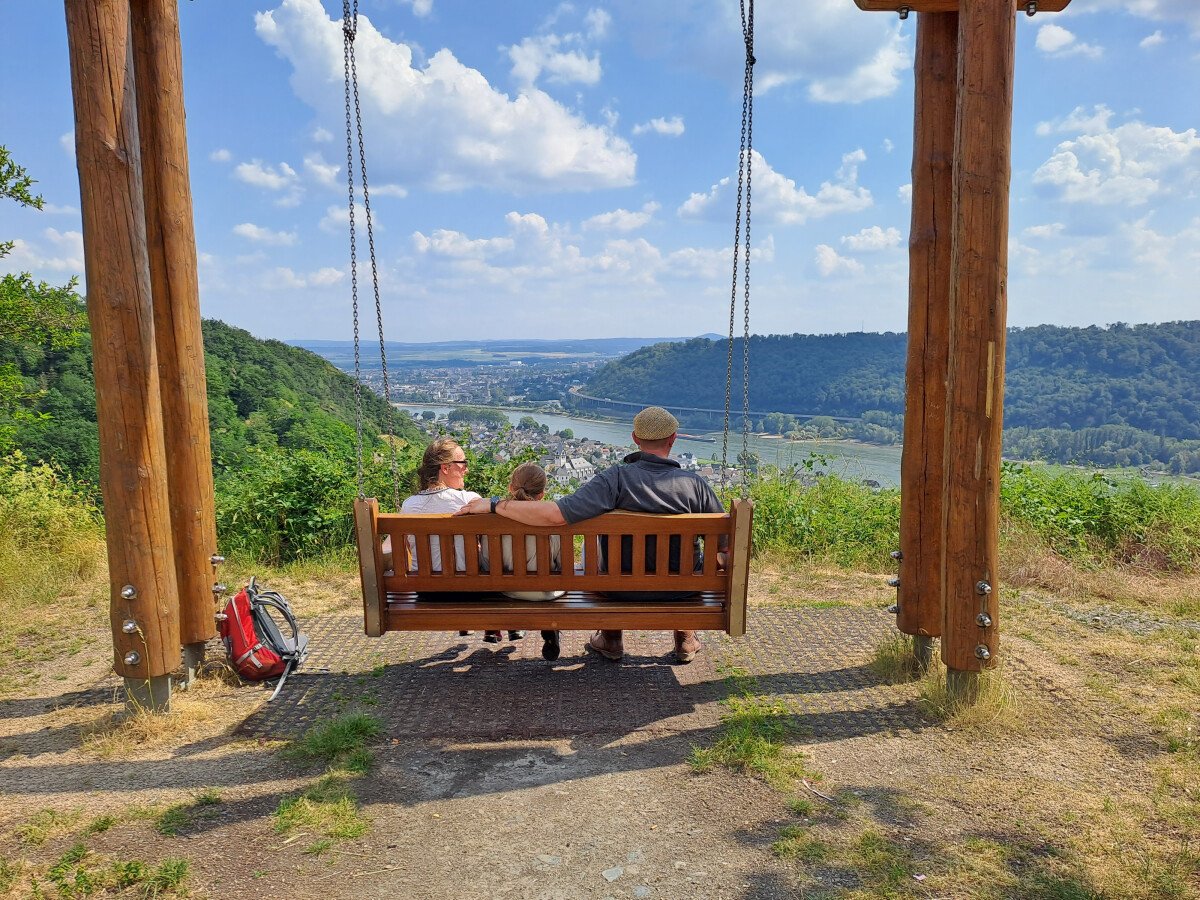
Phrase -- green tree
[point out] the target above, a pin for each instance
(566, 434)
(34, 316)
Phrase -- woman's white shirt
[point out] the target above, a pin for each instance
(447, 500)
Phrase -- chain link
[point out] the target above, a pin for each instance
(741, 255)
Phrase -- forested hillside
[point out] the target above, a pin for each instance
(262, 395)
(1122, 395)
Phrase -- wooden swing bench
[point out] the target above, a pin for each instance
(390, 592)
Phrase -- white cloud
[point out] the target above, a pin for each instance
(1051, 230)
(444, 125)
(456, 245)
(543, 53)
(876, 77)
(1152, 40)
(672, 127)
(420, 8)
(389, 190)
(873, 238)
(262, 235)
(1054, 40)
(888, 146)
(59, 252)
(830, 264)
(286, 278)
(778, 199)
(1126, 166)
(621, 219)
(322, 135)
(67, 142)
(56, 209)
(337, 219)
(1078, 121)
(321, 171)
(267, 177)
(220, 155)
(1187, 11)
(597, 22)
(904, 192)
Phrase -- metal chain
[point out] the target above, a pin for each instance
(744, 151)
(349, 28)
(748, 93)
(353, 128)
(389, 415)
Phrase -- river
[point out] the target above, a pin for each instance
(848, 459)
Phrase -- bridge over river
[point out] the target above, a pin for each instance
(692, 413)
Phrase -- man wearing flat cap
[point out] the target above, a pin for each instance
(648, 481)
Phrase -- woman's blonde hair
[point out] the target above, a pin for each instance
(436, 455)
(528, 482)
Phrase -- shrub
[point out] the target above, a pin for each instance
(834, 519)
(50, 533)
(288, 505)
(1096, 518)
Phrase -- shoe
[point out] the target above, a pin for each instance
(607, 644)
(551, 647)
(491, 637)
(465, 633)
(687, 645)
(516, 635)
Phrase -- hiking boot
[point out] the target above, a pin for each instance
(516, 635)
(687, 645)
(607, 644)
(492, 637)
(551, 647)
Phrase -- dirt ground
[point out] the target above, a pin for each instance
(497, 774)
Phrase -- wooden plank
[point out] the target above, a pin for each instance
(370, 566)
(576, 612)
(133, 466)
(949, 6)
(978, 305)
(929, 250)
(179, 342)
(739, 568)
(638, 557)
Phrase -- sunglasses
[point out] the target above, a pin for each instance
(457, 462)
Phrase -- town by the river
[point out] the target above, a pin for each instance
(858, 462)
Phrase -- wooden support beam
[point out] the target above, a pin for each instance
(128, 405)
(171, 241)
(978, 309)
(370, 565)
(929, 246)
(949, 6)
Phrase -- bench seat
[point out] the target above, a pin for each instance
(576, 611)
(391, 603)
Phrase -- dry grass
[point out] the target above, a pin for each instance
(118, 733)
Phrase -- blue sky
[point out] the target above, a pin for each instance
(543, 170)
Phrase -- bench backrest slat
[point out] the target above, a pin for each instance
(459, 539)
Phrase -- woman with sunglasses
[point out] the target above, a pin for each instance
(442, 479)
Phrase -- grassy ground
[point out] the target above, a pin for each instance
(1078, 776)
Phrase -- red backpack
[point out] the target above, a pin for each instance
(255, 641)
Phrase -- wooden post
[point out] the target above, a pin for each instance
(739, 573)
(370, 565)
(929, 246)
(144, 596)
(978, 305)
(171, 240)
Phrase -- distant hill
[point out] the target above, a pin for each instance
(260, 393)
(450, 354)
(1121, 395)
